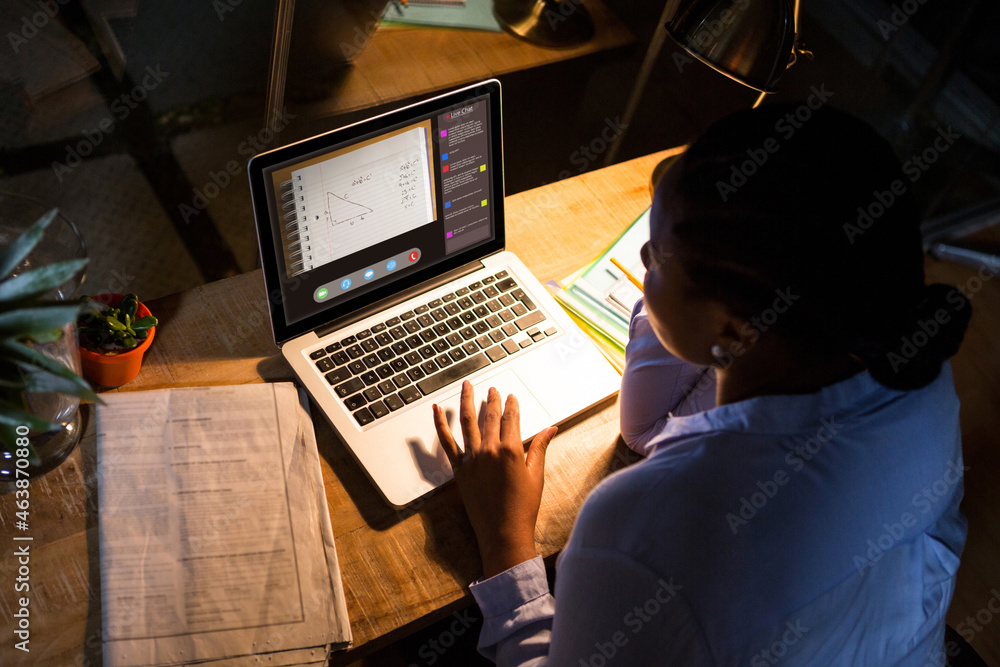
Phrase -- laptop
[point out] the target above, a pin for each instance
(382, 246)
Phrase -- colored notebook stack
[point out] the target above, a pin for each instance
(600, 297)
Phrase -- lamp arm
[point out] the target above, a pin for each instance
(797, 48)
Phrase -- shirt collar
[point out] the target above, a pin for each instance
(782, 414)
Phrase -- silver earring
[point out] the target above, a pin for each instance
(717, 352)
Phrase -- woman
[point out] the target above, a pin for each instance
(809, 516)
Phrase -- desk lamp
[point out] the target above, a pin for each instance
(548, 23)
(754, 42)
(750, 41)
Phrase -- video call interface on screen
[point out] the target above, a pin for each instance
(351, 218)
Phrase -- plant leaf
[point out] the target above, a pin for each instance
(47, 336)
(40, 280)
(26, 322)
(41, 381)
(19, 249)
(129, 305)
(115, 324)
(144, 323)
(31, 359)
(38, 303)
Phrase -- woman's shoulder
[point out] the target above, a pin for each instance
(821, 470)
(661, 493)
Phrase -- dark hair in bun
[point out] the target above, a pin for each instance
(914, 359)
(812, 207)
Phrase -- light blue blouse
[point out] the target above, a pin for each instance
(807, 529)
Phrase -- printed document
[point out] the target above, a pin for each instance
(215, 538)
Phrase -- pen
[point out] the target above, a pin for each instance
(628, 274)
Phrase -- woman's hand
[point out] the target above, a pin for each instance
(501, 487)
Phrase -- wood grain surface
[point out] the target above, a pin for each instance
(403, 62)
(401, 569)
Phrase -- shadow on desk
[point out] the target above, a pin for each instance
(379, 515)
(584, 452)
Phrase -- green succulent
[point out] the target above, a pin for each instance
(26, 317)
(111, 328)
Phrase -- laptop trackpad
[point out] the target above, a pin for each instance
(533, 416)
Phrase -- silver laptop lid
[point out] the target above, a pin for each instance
(350, 217)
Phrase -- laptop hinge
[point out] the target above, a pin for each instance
(399, 297)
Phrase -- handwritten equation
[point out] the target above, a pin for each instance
(366, 196)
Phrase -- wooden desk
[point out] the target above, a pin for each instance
(401, 569)
(405, 62)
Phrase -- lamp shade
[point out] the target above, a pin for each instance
(750, 41)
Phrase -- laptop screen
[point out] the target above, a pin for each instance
(352, 216)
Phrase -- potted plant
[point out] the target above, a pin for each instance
(114, 334)
(39, 392)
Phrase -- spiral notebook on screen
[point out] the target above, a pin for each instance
(382, 245)
(330, 194)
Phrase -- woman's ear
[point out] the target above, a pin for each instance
(736, 336)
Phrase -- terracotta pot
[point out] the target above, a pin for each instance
(114, 370)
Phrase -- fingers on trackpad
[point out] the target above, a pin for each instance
(533, 416)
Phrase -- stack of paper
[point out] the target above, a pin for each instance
(215, 538)
(441, 3)
(599, 297)
(471, 14)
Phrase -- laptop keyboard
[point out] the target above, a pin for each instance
(381, 369)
